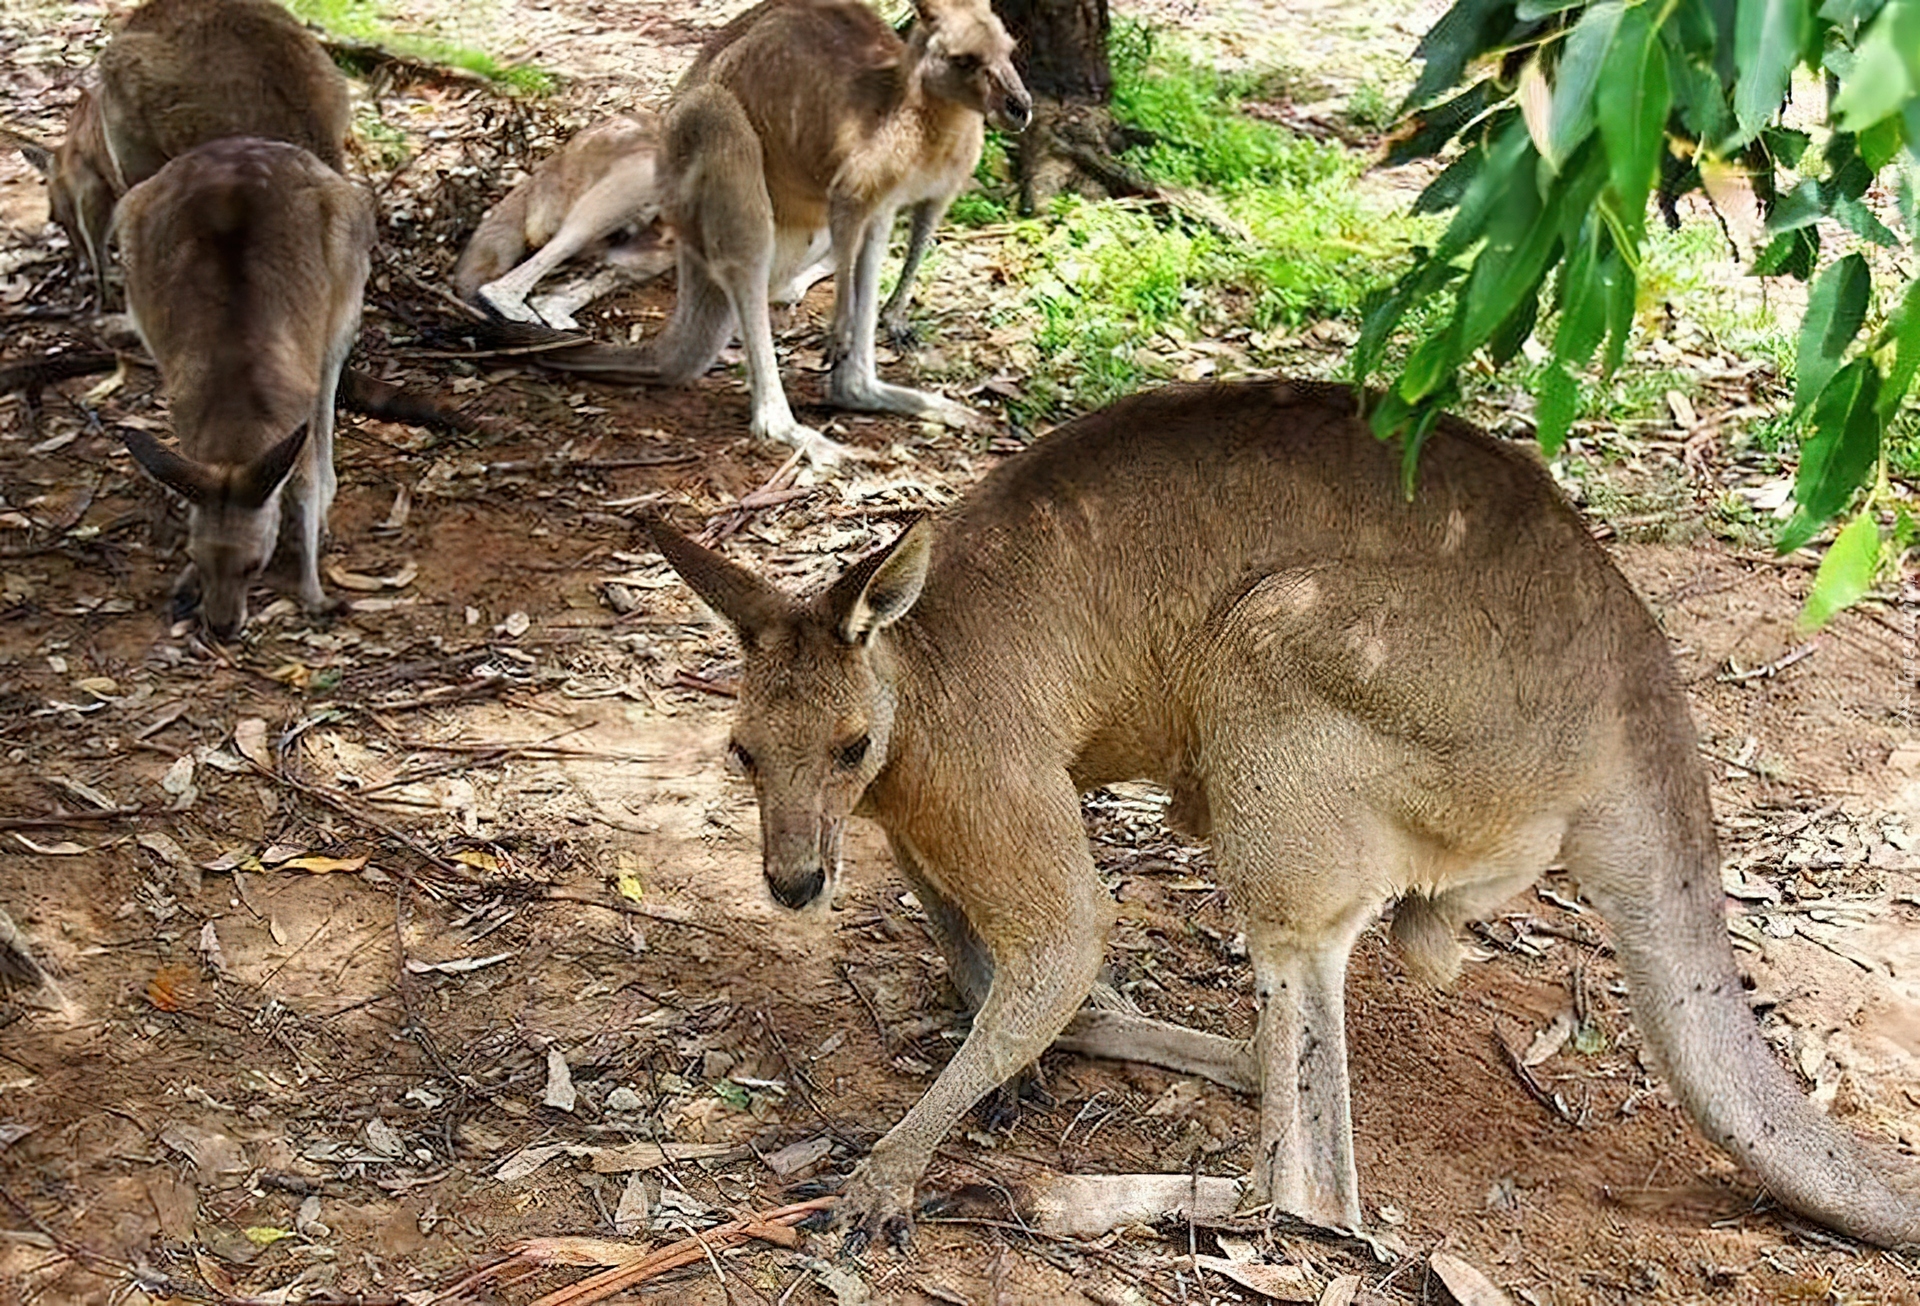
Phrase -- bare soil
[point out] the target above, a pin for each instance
(274, 1070)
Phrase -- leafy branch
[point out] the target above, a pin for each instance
(1570, 117)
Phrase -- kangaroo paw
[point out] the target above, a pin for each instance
(877, 1205)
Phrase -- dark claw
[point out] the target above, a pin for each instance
(817, 1221)
(854, 1245)
(808, 1189)
(902, 336)
(899, 1232)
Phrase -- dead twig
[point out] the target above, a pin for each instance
(1532, 1085)
(776, 490)
(1770, 669)
(774, 1226)
(62, 820)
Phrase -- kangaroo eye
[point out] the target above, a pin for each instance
(741, 757)
(967, 63)
(848, 756)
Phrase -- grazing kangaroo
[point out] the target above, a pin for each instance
(803, 127)
(1357, 696)
(245, 264)
(178, 74)
(599, 195)
(80, 187)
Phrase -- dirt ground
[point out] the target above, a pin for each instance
(324, 908)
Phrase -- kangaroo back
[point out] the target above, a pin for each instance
(245, 264)
(184, 72)
(1360, 696)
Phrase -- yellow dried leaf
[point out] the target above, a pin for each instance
(266, 1235)
(478, 858)
(630, 887)
(325, 865)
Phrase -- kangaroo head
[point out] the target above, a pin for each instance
(815, 712)
(967, 57)
(233, 523)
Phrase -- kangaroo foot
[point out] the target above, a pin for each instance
(877, 1204)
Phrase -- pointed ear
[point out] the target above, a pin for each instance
(879, 589)
(40, 156)
(260, 478)
(194, 483)
(749, 604)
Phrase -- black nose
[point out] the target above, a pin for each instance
(1018, 111)
(798, 894)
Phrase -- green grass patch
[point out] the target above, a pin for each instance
(1267, 232)
(375, 24)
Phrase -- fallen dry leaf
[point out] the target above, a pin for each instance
(1279, 1282)
(171, 987)
(324, 865)
(560, 1092)
(1469, 1286)
(250, 737)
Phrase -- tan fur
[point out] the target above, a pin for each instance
(245, 263)
(181, 73)
(1356, 695)
(602, 182)
(803, 127)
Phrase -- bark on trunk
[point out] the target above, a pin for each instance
(1062, 57)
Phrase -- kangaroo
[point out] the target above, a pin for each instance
(1359, 697)
(245, 263)
(178, 74)
(799, 132)
(80, 187)
(601, 185)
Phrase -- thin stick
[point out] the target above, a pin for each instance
(598, 1287)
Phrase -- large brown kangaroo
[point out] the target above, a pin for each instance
(1359, 697)
(798, 134)
(246, 260)
(178, 74)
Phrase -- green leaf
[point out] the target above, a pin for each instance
(1701, 99)
(1513, 332)
(1880, 143)
(1799, 207)
(1768, 36)
(1836, 307)
(1576, 77)
(1885, 74)
(1838, 457)
(1528, 10)
(1846, 573)
(1426, 133)
(1446, 190)
(1622, 290)
(1906, 353)
(1555, 407)
(1631, 104)
(1856, 217)
(1791, 253)
(1469, 29)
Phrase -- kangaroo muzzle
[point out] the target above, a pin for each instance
(799, 856)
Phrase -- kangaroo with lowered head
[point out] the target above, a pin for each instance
(797, 135)
(178, 74)
(1357, 696)
(245, 264)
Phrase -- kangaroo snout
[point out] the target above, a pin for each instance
(1013, 111)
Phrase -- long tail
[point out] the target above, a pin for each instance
(1649, 860)
(564, 351)
(361, 393)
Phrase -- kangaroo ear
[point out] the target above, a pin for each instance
(194, 483)
(879, 589)
(40, 156)
(260, 478)
(749, 604)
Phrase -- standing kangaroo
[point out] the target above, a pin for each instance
(178, 74)
(246, 260)
(1357, 696)
(803, 127)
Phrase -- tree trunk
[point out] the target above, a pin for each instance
(1062, 57)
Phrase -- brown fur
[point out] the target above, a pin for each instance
(803, 127)
(245, 263)
(1357, 696)
(601, 183)
(178, 74)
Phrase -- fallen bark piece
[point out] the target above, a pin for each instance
(1278, 1282)
(1088, 1205)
